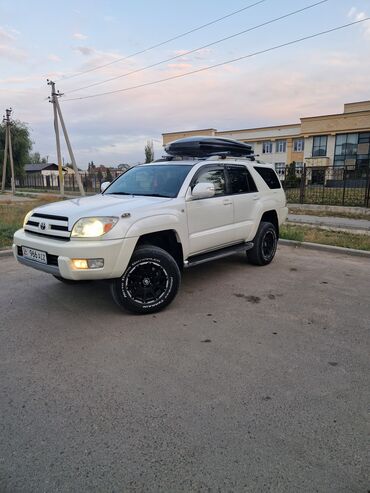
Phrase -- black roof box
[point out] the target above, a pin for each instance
(201, 146)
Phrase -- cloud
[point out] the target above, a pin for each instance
(7, 34)
(54, 58)
(20, 80)
(114, 129)
(12, 53)
(180, 65)
(85, 50)
(358, 15)
(8, 48)
(79, 36)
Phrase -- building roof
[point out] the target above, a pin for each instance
(38, 166)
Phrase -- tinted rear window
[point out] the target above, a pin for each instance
(269, 176)
(240, 180)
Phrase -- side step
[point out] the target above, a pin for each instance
(217, 254)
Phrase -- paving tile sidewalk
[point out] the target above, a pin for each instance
(331, 222)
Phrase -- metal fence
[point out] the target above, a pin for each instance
(329, 185)
(38, 181)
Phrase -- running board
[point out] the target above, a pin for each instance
(217, 254)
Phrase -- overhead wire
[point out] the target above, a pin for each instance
(227, 62)
(157, 45)
(186, 53)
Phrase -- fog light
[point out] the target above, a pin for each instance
(95, 263)
(90, 263)
(79, 263)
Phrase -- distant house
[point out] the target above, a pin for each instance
(45, 173)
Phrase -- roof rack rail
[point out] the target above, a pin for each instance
(204, 147)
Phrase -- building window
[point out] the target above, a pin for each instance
(267, 147)
(280, 169)
(298, 145)
(281, 146)
(346, 145)
(298, 167)
(319, 145)
(352, 150)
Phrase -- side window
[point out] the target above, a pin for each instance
(240, 180)
(269, 176)
(215, 176)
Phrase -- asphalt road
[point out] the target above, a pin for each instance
(254, 380)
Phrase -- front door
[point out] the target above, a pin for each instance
(210, 220)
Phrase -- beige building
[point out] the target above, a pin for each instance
(326, 140)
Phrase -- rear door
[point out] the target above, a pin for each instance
(210, 220)
(245, 195)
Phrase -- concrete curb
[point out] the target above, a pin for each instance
(325, 248)
(6, 253)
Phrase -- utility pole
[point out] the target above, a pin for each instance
(53, 99)
(58, 113)
(8, 150)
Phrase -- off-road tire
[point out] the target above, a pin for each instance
(149, 283)
(265, 245)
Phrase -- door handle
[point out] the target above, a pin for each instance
(227, 202)
(255, 197)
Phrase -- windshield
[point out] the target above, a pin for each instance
(155, 180)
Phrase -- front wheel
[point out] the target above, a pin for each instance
(150, 282)
(265, 245)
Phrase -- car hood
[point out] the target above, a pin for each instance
(99, 205)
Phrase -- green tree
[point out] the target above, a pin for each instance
(99, 175)
(21, 144)
(149, 152)
(108, 176)
(35, 158)
(291, 178)
(91, 168)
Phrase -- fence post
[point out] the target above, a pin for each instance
(344, 183)
(303, 185)
(367, 191)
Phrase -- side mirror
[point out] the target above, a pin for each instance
(104, 186)
(203, 191)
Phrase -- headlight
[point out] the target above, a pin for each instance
(26, 218)
(92, 227)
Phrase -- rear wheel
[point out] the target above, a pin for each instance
(265, 245)
(150, 282)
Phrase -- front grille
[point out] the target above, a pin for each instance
(48, 225)
(49, 216)
(52, 259)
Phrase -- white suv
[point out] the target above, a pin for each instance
(153, 221)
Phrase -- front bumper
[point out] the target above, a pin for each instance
(116, 255)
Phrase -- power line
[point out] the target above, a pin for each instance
(276, 47)
(163, 42)
(271, 21)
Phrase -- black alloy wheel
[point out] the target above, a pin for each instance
(265, 245)
(150, 282)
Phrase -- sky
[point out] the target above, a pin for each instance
(314, 77)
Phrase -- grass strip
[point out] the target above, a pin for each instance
(325, 237)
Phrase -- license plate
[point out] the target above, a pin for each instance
(35, 255)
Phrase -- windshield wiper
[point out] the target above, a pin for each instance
(119, 193)
(153, 195)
